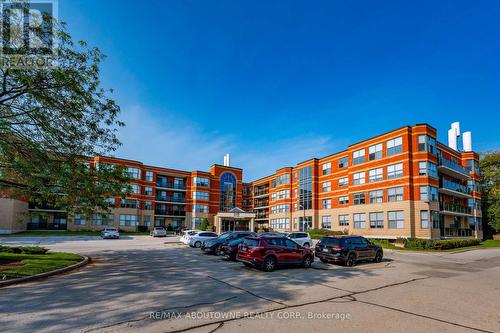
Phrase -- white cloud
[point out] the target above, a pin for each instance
(176, 143)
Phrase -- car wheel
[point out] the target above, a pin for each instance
(269, 264)
(378, 257)
(307, 262)
(306, 245)
(323, 260)
(351, 260)
(197, 244)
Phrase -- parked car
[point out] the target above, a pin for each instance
(301, 238)
(214, 245)
(158, 232)
(186, 235)
(268, 252)
(273, 234)
(110, 232)
(230, 250)
(347, 250)
(197, 239)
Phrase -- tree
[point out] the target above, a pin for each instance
(52, 119)
(490, 188)
(204, 224)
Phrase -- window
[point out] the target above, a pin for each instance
(358, 156)
(343, 200)
(136, 189)
(427, 143)
(375, 175)
(424, 219)
(134, 172)
(280, 180)
(375, 152)
(148, 205)
(326, 222)
(424, 195)
(343, 220)
(79, 219)
(201, 182)
(283, 223)
(148, 190)
(305, 186)
(327, 168)
(149, 176)
(433, 193)
(200, 208)
(359, 220)
(358, 198)
(435, 219)
(326, 187)
(395, 171)
(196, 222)
(283, 208)
(198, 195)
(473, 166)
(343, 181)
(343, 162)
(427, 169)
(376, 196)
(103, 219)
(358, 178)
(377, 220)
(326, 203)
(394, 146)
(147, 220)
(128, 220)
(129, 203)
(396, 219)
(283, 194)
(395, 194)
(295, 193)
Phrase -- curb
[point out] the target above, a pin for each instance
(35, 277)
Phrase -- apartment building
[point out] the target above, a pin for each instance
(403, 183)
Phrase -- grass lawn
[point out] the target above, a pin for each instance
(36, 263)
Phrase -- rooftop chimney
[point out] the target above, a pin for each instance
(227, 161)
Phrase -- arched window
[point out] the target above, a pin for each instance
(227, 191)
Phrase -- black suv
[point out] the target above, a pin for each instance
(213, 246)
(347, 250)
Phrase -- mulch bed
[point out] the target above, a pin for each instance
(8, 264)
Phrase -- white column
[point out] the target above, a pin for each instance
(252, 224)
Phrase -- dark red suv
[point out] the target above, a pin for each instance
(268, 252)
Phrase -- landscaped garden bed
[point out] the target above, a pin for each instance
(25, 261)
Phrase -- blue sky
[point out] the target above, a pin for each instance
(277, 82)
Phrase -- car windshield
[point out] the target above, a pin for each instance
(158, 228)
(236, 242)
(329, 241)
(226, 235)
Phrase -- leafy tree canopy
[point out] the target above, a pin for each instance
(490, 189)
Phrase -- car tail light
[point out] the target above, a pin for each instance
(336, 248)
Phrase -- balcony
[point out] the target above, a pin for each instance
(166, 198)
(458, 232)
(455, 189)
(260, 193)
(261, 216)
(173, 186)
(45, 207)
(169, 212)
(452, 169)
(45, 226)
(455, 210)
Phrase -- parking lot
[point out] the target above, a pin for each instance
(159, 285)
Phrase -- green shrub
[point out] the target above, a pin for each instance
(438, 244)
(381, 242)
(319, 233)
(142, 228)
(23, 249)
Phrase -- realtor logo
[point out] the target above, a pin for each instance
(28, 32)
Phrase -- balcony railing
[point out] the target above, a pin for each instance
(171, 185)
(457, 232)
(259, 193)
(44, 206)
(46, 226)
(455, 187)
(169, 198)
(261, 216)
(170, 212)
(453, 165)
(455, 208)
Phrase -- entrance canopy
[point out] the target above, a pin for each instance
(226, 221)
